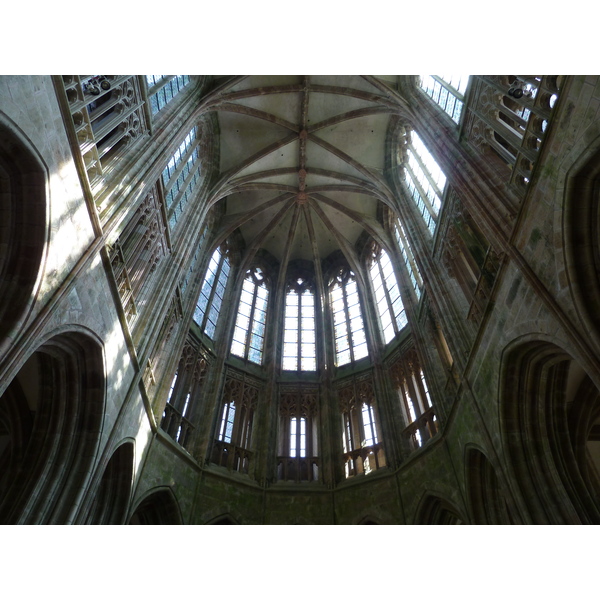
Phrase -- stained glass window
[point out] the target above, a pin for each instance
(249, 333)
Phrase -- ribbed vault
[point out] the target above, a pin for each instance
(302, 162)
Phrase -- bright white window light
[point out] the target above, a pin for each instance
(349, 330)
(210, 300)
(387, 295)
(249, 333)
(447, 91)
(299, 340)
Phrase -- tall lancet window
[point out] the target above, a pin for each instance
(349, 329)
(181, 177)
(249, 333)
(299, 341)
(425, 181)
(163, 88)
(447, 91)
(409, 259)
(209, 303)
(387, 294)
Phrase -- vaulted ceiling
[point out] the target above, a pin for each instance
(302, 161)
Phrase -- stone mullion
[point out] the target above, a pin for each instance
(332, 469)
(371, 320)
(390, 429)
(439, 295)
(484, 193)
(433, 281)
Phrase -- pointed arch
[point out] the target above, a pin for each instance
(434, 510)
(581, 230)
(111, 498)
(56, 404)
(486, 496)
(549, 411)
(23, 227)
(157, 507)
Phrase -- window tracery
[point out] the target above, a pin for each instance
(186, 388)
(234, 429)
(210, 300)
(447, 91)
(409, 259)
(349, 330)
(137, 252)
(298, 447)
(163, 88)
(107, 115)
(415, 400)
(510, 115)
(387, 294)
(299, 340)
(249, 332)
(363, 450)
(181, 176)
(470, 259)
(424, 179)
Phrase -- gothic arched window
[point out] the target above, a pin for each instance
(349, 329)
(387, 295)
(425, 180)
(186, 387)
(363, 451)
(299, 341)
(447, 91)
(234, 429)
(180, 176)
(297, 460)
(249, 333)
(163, 88)
(415, 400)
(409, 259)
(211, 295)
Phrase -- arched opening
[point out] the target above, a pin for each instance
(157, 508)
(50, 424)
(22, 228)
(582, 241)
(111, 500)
(551, 412)
(487, 499)
(222, 520)
(437, 511)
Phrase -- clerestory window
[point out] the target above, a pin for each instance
(163, 88)
(447, 91)
(425, 181)
(409, 259)
(349, 329)
(299, 340)
(387, 295)
(181, 177)
(249, 333)
(210, 300)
